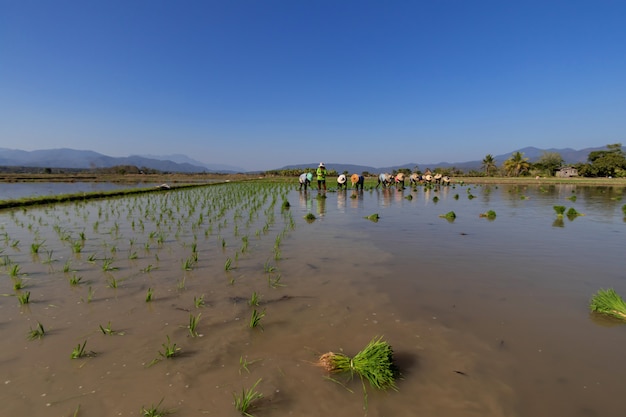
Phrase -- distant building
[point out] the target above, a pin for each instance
(566, 172)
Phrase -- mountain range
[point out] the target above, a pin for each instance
(84, 159)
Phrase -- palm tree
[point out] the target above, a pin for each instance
(516, 164)
(489, 164)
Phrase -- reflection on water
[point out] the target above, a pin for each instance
(487, 318)
(18, 190)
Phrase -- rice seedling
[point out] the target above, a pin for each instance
(269, 268)
(18, 283)
(75, 280)
(228, 264)
(170, 349)
(373, 217)
(244, 363)
(15, 244)
(255, 319)
(435, 199)
(24, 298)
(77, 246)
(608, 302)
(149, 295)
(624, 209)
(67, 266)
(374, 364)
(277, 255)
(193, 324)
(80, 352)
(148, 268)
(572, 198)
(490, 214)
(107, 265)
(245, 402)
(90, 294)
(48, 259)
(198, 301)
(112, 282)
(274, 281)
(254, 299)
(132, 255)
(154, 410)
(559, 210)
(14, 271)
(449, 215)
(310, 217)
(35, 247)
(572, 213)
(109, 331)
(36, 333)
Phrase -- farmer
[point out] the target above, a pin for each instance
(321, 176)
(357, 180)
(305, 180)
(341, 182)
(384, 179)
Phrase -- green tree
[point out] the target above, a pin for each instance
(489, 164)
(607, 163)
(549, 162)
(516, 165)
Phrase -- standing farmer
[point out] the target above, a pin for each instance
(321, 176)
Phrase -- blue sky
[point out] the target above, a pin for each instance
(262, 84)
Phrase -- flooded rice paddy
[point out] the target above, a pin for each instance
(487, 317)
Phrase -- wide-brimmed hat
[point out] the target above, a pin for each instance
(354, 178)
(341, 179)
(322, 165)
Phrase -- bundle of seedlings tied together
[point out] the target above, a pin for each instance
(608, 302)
(374, 363)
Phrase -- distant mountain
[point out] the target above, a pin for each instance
(80, 159)
(570, 156)
(184, 159)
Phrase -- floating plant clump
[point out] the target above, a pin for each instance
(310, 217)
(374, 364)
(560, 210)
(449, 215)
(608, 302)
(572, 213)
(490, 214)
(373, 217)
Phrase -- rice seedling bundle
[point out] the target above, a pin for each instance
(374, 364)
(608, 302)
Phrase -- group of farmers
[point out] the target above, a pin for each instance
(321, 172)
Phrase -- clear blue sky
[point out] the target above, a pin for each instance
(260, 84)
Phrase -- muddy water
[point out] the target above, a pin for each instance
(486, 318)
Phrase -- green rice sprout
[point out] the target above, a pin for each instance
(170, 349)
(75, 280)
(67, 266)
(112, 283)
(36, 333)
(373, 217)
(149, 295)
(572, 213)
(246, 401)
(199, 301)
(310, 217)
(35, 247)
(490, 214)
(14, 271)
(244, 363)
(608, 302)
(274, 281)
(255, 319)
(107, 265)
(193, 324)
(559, 210)
(77, 246)
(24, 298)
(435, 199)
(154, 410)
(374, 364)
(449, 215)
(18, 283)
(285, 205)
(254, 299)
(80, 352)
(188, 264)
(228, 264)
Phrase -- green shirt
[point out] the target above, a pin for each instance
(321, 174)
